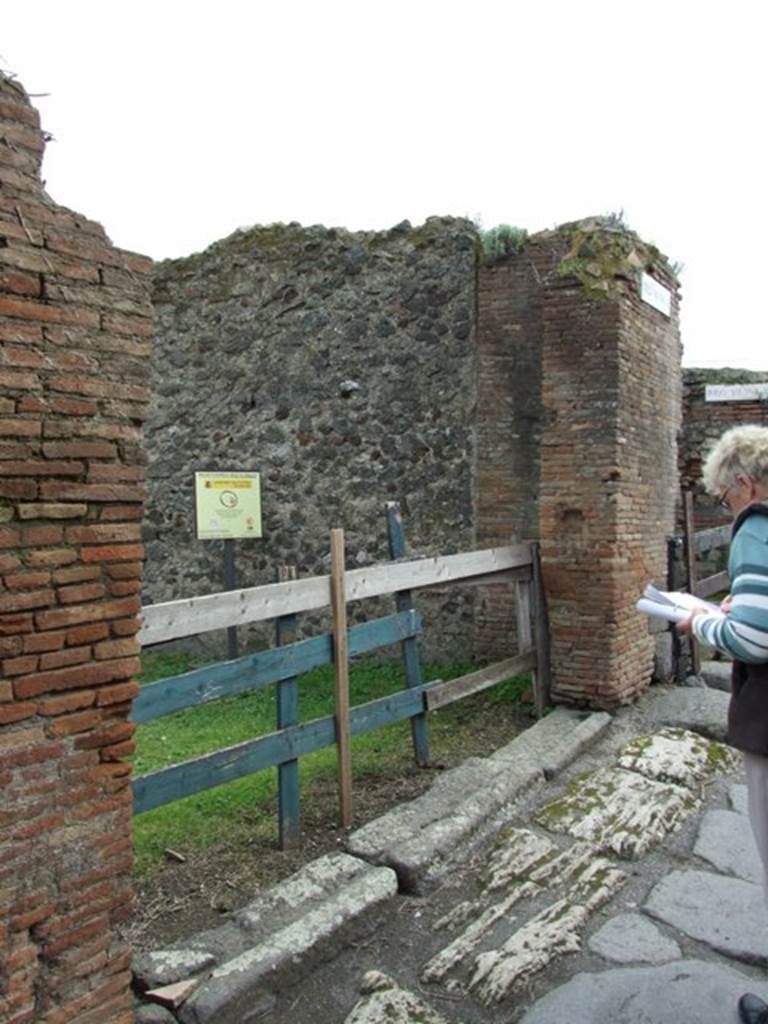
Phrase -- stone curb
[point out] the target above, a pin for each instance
(418, 839)
(280, 930)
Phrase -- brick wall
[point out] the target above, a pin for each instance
(703, 423)
(578, 411)
(611, 401)
(75, 324)
(509, 423)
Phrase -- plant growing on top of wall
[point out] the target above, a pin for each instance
(603, 251)
(503, 240)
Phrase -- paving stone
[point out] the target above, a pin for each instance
(725, 840)
(545, 936)
(384, 1002)
(457, 951)
(516, 852)
(737, 795)
(703, 711)
(153, 1014)
(619, 810)
(681, 992)
(727, 914)
(677, 755)
(632, 938)
(717, 674)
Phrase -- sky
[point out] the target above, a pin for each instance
(174, 123)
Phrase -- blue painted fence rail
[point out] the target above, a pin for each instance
(180, 780)
(231, 678)
(253, 672)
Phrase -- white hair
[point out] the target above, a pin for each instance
(740, 451)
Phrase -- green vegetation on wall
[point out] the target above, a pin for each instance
(503, 240)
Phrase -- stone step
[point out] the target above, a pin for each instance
(421, 839)
(288, 929)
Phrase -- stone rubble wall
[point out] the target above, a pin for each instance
(341, 366)
(75, 324)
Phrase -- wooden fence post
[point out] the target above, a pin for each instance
(410, 646)
(690, 560)
(542, 675)
(341, 667)
(287, 714)
(230, 583)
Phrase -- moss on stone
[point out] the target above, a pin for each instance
(603, 252)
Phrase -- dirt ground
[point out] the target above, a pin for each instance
(184, 898)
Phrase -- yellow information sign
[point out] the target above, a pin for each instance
(227, 505)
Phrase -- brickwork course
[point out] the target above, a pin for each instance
(75, 329)
(578, 412)
(703, 423)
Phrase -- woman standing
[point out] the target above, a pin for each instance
(736, 471)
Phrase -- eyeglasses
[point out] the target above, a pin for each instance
(723, 499)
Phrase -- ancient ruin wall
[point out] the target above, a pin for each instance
(341, 367)
(509, 425)
(703, 423)
(611, 398)
(75, 323)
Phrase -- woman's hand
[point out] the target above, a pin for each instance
(725, 604)
(685, 628)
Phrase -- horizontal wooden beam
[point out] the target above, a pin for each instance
(194, 776)
(230, 678)
(712, 585)
(188, 617)
(440, 694)
(705, 540)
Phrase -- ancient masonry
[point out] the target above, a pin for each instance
(704, 421)
(535, 398)
(75, 324)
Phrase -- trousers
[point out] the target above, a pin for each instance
(756, 768)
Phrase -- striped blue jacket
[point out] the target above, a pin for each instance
(743, 633)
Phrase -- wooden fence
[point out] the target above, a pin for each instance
(685, 551)
(517, 564)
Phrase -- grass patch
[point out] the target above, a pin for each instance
(247, 807)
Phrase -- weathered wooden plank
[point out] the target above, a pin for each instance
(704, 540)
(194, 776)
(254, 671)
(713, 585)
(716, 537)
(542, 673)
(173, 619)
(226, 765)
(409, 647)
(523, 613)
(521, 573)
(341, 674)
(287, 699)
(439, 694)
(690, 566)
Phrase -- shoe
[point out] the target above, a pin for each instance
(752, 1009)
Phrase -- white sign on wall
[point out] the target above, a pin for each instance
(655, 294)
(736, 392)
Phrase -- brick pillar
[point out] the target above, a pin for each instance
(75, 324)
(509, 421)
(611, 401)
